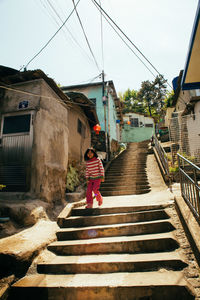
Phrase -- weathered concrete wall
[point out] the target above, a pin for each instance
(50, 147)
(50, 137)
(12, 98)
(78, 143)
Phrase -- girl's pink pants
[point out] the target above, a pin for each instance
(93, 186)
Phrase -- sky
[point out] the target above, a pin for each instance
(160, 29)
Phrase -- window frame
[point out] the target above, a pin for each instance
(15, 114)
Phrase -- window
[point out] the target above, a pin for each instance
(16, 124)
(149, 125)
(81, 128)
(134, 122)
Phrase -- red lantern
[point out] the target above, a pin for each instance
(128, 122)
(97, 128)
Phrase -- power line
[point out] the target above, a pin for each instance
(105, 14)
(94, 1)
(43, 96)
(126, 43)
(102, 46)
(86, 36)
(69, 32)
(52, 36)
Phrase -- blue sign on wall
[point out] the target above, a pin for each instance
(23, 104)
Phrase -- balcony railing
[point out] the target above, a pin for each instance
(189, 181)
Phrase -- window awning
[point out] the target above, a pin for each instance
(191, 74)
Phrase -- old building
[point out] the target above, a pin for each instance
(108, 109)
(137, 128)
(34, 135)
(185, 122)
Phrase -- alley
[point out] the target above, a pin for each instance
(133, 247)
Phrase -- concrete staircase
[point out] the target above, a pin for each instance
(119, 253)
(126, 175)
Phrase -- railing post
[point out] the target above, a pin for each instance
(197, 191)
(180, 175)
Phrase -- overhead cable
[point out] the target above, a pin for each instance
(72, 36)
(126, 43)
(106, 14)
(94, 1)
(85, 36)
(67, 102)
(51, 37)
(102, 46)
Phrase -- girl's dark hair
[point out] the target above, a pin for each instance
(86, 152)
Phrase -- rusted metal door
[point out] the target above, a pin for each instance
(16, 151)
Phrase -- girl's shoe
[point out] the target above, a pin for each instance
(100, 202)
(89, 206)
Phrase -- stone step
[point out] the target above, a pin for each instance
(125, 176)
(131, 159)
(114, 230)
(118, 218)
(163, 285)
(120, 182)
(116, 209)
(129, 163)
(123, 170)
(130, 180)
(123, 186)
(127, 192)
(112, 263)
(124, 244)
(127, 183)
(124, 190)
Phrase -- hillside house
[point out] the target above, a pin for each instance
(137, 128)
(110, 115)
(41, 129)
(185, 121)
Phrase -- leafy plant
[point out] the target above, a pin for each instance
(188, 157)
(72, 178)
(2, 186)
(173, 169)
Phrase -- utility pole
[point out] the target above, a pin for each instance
(109, 143)
(104, 99)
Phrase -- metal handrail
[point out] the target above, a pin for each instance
(190, 188)
(162, 155)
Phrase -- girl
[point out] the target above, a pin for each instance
(94, 176)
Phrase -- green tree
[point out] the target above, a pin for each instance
(160, 89)
(169, 99)
(146, 95)
(152, 94)
(130, 101)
